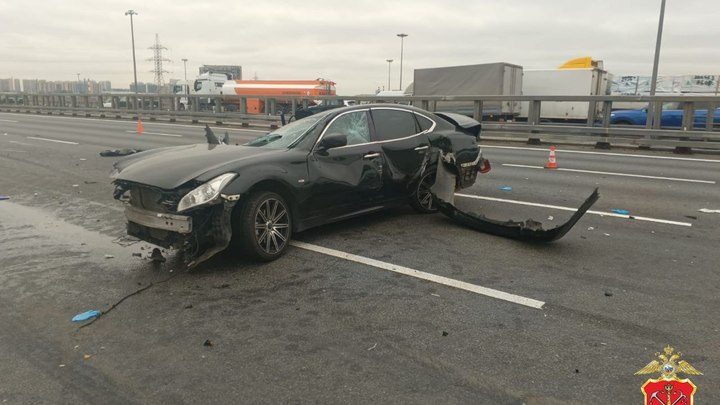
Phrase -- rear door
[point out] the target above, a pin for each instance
(404, 144)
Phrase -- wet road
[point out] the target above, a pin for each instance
(316, 328)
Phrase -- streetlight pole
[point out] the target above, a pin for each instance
(653, 80)
(389, 61)
(402, 39)
(131, 13)
(185, 66)
(657, 49)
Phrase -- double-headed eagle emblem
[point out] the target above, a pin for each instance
(669, 366)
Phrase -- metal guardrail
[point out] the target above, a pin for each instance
(595, 127)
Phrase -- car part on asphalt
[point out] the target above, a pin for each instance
(529, 230)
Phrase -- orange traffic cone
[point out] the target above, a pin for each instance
(140, 129)
(552, 163)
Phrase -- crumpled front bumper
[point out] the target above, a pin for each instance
(199, 234)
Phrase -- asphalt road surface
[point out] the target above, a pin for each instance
(343, 317)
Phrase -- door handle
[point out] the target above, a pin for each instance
(419, 148)
(371, 155)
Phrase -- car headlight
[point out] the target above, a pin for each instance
(612, 114)
(206, 192)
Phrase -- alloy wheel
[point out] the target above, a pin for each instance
(272, 226)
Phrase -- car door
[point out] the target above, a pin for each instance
(404, 145)
(345, 179)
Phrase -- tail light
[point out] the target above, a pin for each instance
(485, 166)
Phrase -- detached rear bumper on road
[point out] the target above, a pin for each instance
(529, 230)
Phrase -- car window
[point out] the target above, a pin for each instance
(354, 125)
(394, 124)
(425, 124)
(288, 135)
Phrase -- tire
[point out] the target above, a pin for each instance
(254, 222)
(422, 200)
(623, 122)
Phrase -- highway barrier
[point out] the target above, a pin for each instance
(695, 121)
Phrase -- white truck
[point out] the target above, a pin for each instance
(591, 81)
(206, 84)
(486, 79)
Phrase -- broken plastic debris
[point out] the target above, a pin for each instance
(590, 228)
(373, 346)
(4, 197)
(109, 256)
(86, 356)
(606, 234)
(86, 315)
(620, 211)
(506, 188)
(157, 256)
(550, 218)
(119, 152)
(709, 211)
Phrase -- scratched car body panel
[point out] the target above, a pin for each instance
(327, 167)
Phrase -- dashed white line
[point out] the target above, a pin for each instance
(558, 207)
(602, 153)
(2, 120)
(613, 174)
(52, 140)
(116, 121)
(21, 143)
(155, 133)
(501, 295)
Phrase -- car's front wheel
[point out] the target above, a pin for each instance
(264, 226)
(422, 199)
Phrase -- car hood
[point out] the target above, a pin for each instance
(169, 168)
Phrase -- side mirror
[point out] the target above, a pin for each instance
(333, 140)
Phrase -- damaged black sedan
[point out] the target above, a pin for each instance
(327, 167)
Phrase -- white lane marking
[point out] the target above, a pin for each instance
(612, 174)
(119, 121)
(14, 150)
(602, 153)
(559, 207)
(154, 133)
(9, 120)
(501, 295)
(21, 143)
(52, 140)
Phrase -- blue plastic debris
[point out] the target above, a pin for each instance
(4, 197)
(621, 212)
(506, 188)
(86, 315)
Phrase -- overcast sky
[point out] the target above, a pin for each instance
(349, 41)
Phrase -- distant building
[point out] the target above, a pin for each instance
(640, 85)
(10, 85)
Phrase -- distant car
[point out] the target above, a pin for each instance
(327, 167)
(671, 116)
(320, 107)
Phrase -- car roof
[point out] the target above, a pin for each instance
(381, 105)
